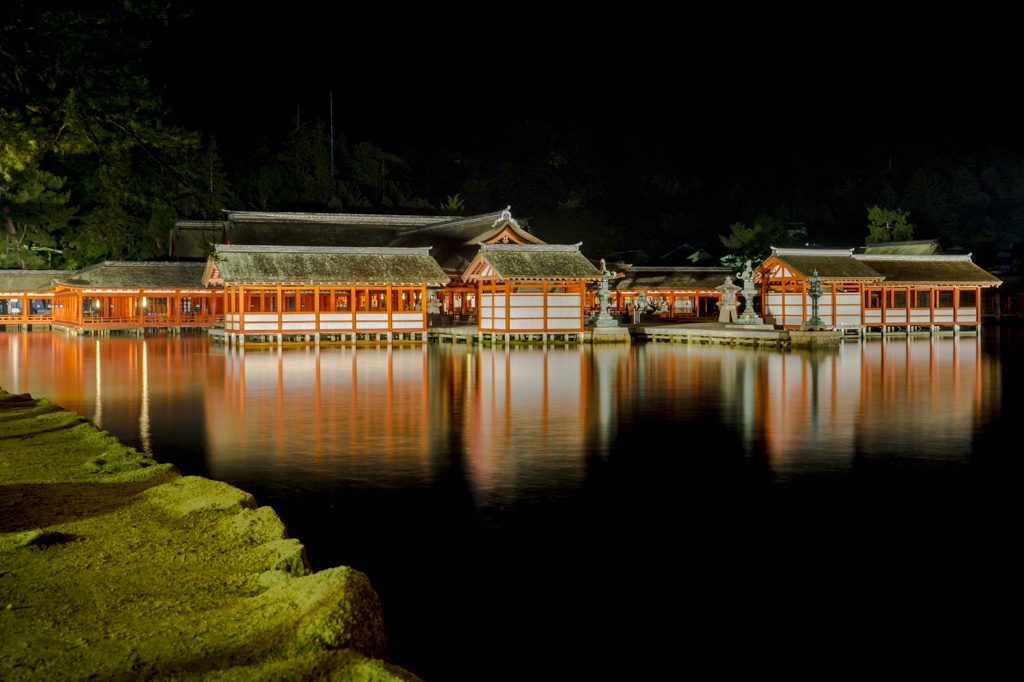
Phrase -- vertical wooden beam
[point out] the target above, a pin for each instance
(280, 308)
(544, 318)
(240, 289)
(884, 295)
(316, 307)
(784, 287)
(803, 299)
(835, 307)
(863, 303)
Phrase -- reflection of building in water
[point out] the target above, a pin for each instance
(528, 420)
(911, 398)
(340, 412)
(123, 385)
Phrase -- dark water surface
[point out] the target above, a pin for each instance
(604, 512)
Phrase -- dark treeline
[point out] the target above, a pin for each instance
(94, 164)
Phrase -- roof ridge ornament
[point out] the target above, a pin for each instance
(506, 216)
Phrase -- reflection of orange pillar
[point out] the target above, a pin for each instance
(282, 423)
(544, 395)
(389, 420)
(317, 426)
(956, 368)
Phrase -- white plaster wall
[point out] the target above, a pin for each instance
(526, 312)
(527, 324)
(520, 300)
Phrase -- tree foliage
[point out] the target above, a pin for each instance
(74, 97)
(753, 243)
(33, 210)
(888, 225)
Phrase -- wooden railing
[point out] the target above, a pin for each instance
(25, 319)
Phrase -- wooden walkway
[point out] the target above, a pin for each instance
(470, 333)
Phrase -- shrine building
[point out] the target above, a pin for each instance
(323, 295)
(675, 292)
(872, 290)
(21, 301)
(454, 241)
(131, 296)
(530, 290)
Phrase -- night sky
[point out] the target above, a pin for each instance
(399, 80)
(688, 97)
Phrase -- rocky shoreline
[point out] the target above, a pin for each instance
(114, 566)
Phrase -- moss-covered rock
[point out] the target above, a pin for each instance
(115, 567)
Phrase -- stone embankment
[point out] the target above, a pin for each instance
(115, 567)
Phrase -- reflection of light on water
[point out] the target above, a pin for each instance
(507, 422)
(353, 413)
(98, 417)
(526, 421)
(144, 414)
(605, 361)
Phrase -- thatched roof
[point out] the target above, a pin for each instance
(652, 277)
(454, 242)
(29, 280)
(928, 269)
(186, 236)
(919, 247)
(323, 265)
(252, 228)
(538, 261)
(135, 275)
(831, 264)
